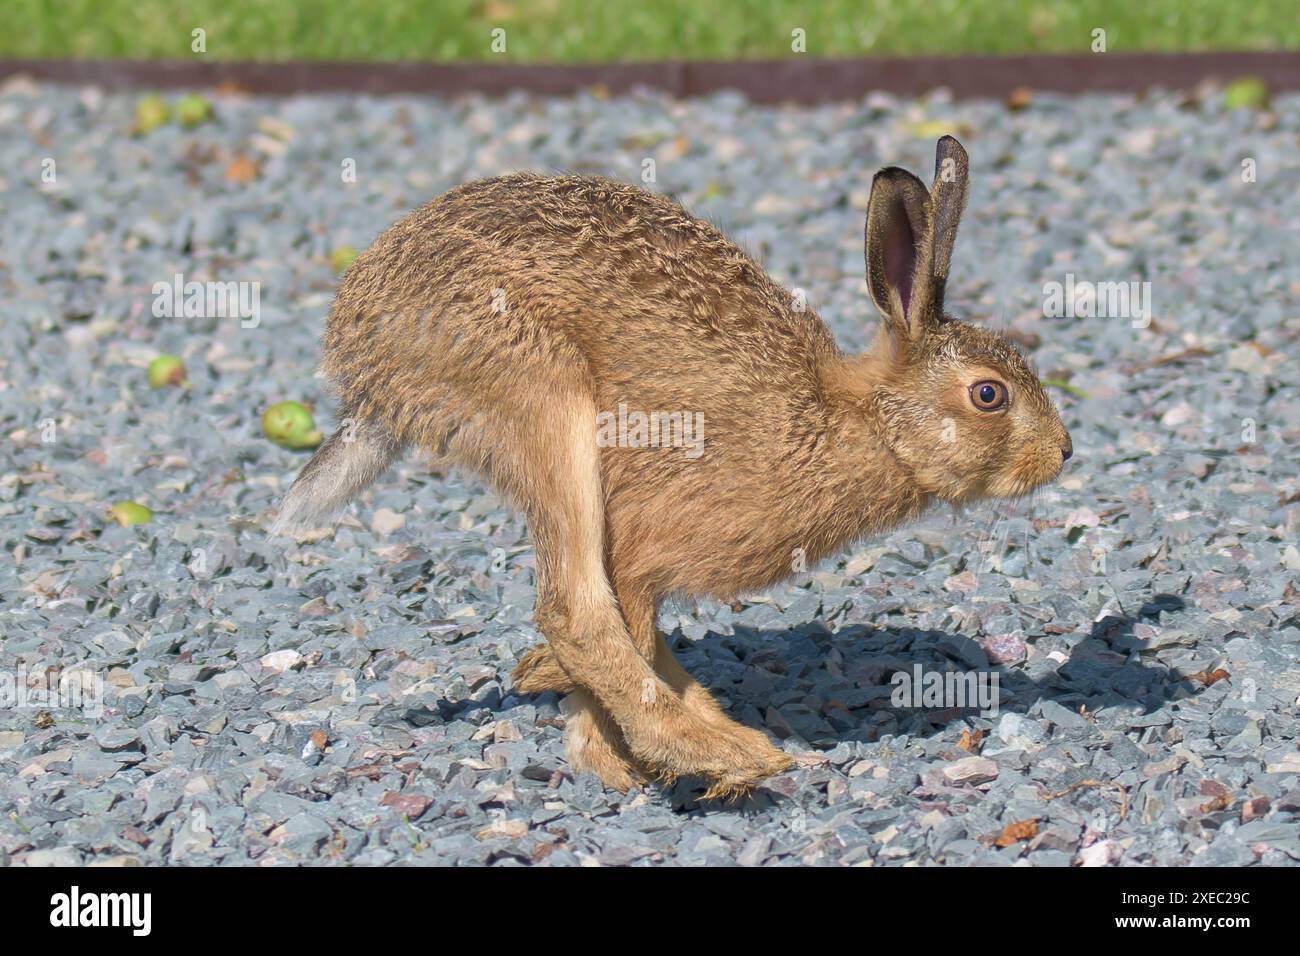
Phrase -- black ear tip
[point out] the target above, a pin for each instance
(949, 143)
(890, 172)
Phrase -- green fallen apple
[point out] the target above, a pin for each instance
(192, 110)
(166, 370)
(151, 112)
(1249, 92)
(127, 513)
(342, 257)
(290, 425)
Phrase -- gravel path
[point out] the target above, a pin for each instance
(346, 699)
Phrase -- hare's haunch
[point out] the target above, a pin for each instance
(669, 420)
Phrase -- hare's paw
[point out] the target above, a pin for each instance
(593, 742)
(759, 761)
(734, 759)
(538, 671)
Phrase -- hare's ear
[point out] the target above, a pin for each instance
(947, 200)
(898, 251)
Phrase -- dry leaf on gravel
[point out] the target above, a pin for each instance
(1017, 832)
(242, 170)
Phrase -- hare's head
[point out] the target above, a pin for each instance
(959, 405)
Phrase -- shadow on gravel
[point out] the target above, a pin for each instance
(1103, 670)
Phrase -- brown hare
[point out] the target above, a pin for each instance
(492, 327)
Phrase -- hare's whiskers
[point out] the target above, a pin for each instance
(987, 537)
(1029, 522)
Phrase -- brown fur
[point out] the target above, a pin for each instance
(493, 324)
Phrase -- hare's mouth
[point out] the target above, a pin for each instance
(1016, 480)
(1023, 477)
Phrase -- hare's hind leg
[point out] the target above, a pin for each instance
(550, 464)
(527, 455)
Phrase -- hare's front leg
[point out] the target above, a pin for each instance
(592, 741)
(579, 615)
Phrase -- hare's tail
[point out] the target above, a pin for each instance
(349, 460)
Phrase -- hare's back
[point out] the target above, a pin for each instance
(599, 233)
(650, 297)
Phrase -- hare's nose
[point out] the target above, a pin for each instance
(1067, 450)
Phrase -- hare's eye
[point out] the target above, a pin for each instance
(988, 396)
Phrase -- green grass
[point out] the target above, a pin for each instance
(591, 30)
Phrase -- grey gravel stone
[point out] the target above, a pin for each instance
(971, 770)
